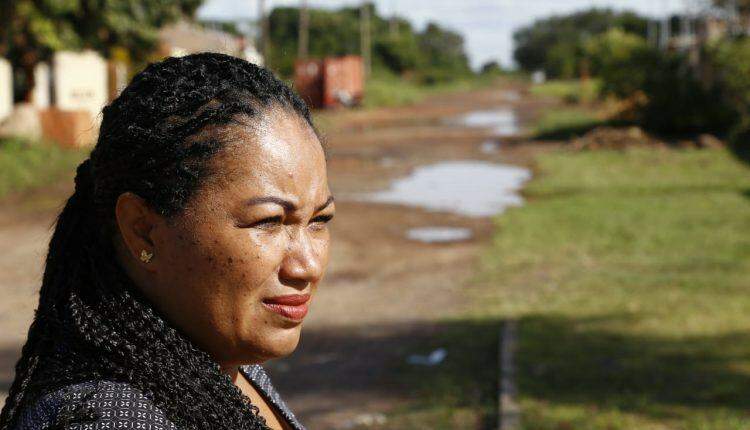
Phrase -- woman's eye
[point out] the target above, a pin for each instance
(269, 222)
(322, 220)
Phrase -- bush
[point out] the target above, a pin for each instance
(623, 61)
(679, 100)
(25, 165)
(730, 63)
(667, 93)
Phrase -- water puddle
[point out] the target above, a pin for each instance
(489, 147)
(503, 121)
(511, 96)
(438, 234)
(470, 188)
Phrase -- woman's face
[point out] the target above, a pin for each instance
(254, 232)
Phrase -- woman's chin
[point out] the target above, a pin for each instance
(280, 343)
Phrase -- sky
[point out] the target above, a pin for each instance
(487, 25)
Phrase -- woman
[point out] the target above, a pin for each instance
(186, 256)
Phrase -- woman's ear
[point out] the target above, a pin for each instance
(136, 222)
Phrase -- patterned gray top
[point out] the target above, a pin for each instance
(120, 406)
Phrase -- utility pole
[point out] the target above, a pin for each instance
(304, 30)
(734, 20)
(393, 22)
(666, 31)
(265, 36)
(653, 32)
(364, 29)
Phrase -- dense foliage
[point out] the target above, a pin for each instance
(557, 44)
(704, 89)
(433, 54)
(31, 30)
(669, 91)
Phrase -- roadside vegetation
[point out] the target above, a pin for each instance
(25, 165)
(385, 89)
(569, 90)
(628, 273)
(676, 91)
(566, 122)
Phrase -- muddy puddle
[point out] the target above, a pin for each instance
(470, 187)
(503, 122)
(489, 147)
(439, 234)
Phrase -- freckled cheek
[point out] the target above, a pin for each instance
(253, 272)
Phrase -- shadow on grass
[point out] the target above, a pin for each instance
(742, 152)
(365, 369)
(577, 361)
(561, 361)
(8, 358)
(572, 131)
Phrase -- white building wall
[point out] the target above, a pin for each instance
(80, 81)
(6, 88)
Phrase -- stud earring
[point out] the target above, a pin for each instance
(146, 256)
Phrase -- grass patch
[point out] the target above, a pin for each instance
(628, 271)
(388, 90)
(565, 123)
(458, 393)
(25, 165)
(570, 91)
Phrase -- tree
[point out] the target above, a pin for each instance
(33, 29)
(443, 53)
(491, 68)
(433, 54)
(556, 44)
(622, 60)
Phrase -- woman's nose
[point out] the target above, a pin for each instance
(302, 261)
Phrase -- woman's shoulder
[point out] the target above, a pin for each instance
(94, 405)
(257, 375)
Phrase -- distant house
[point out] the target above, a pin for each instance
(73, 87)
(186, 37)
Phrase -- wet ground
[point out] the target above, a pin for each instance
(414, 188)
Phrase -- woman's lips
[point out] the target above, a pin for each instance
(292, 306)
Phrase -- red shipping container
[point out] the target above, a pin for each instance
(308, 81)
(330, 82)
(343, 81)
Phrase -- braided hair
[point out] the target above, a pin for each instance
(92, 323)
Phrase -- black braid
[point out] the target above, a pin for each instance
(92, 323)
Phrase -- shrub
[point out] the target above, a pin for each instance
(623, 61)
(668, 93)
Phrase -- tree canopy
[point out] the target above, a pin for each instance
(435, 53)
(31, 30)
(557, 44)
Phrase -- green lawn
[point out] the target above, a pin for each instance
(630, 275)
(386, 90)
(571, 91)
(25, 165)
(562, 123)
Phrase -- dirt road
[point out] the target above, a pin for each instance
(381, 289)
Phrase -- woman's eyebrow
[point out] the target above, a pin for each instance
(286, 204)
(323, 206)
